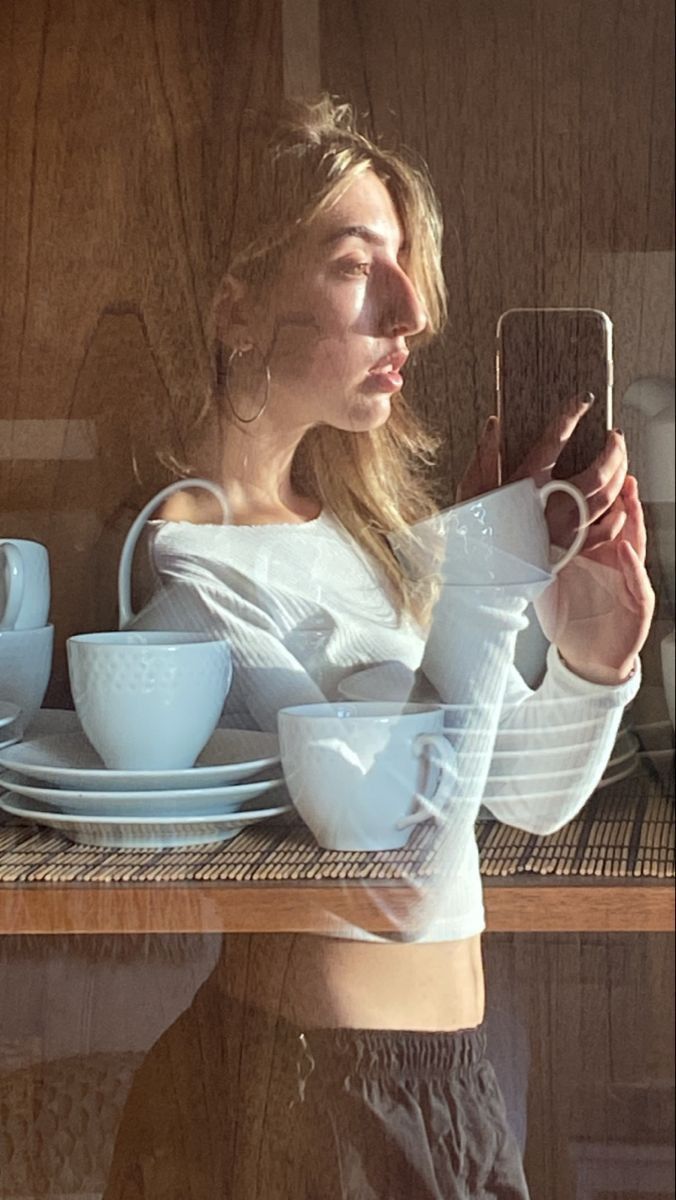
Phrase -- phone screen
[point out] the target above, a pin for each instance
(545, 357)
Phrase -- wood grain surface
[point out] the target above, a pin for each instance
(529, 906)
(547, 132)
(547, 128)
(599, 1015)
(126, 171)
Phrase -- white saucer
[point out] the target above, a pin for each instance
(69, 760)
(179, 803)
(142, 832)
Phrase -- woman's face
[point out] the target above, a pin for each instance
(340, 315)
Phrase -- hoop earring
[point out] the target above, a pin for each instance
(245, 420)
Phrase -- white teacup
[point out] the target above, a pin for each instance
(25, 667)
(24, 584)
(361, 775)
(146, 700)
(499, 538)
(511, 521)
(506, 531)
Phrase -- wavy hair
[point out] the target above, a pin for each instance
(375, 482)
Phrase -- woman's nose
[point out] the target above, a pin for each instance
(402, 310)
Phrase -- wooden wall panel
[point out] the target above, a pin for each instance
(599, 1019)
(121, 123)
(547, 129)
(547, 126)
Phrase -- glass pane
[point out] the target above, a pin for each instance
(411, 936)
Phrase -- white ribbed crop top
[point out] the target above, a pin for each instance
(304, 608)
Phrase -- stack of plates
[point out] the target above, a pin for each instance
(58, 780)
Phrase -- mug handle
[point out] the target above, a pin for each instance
(562, 485)
(431, 807)
(14, 584)
(126, 613)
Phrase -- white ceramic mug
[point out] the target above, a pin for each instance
(147, 700)
(361, 774)
(126, 613)
(25, 667)
(510, 522)
(24, 584)
(498, 538)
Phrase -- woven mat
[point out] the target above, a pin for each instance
(624, 831)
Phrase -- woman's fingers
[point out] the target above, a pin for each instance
(601, 485)
(540, 461)
(635, 530)
(608, 487)
(636, 579)
(612, 458)
(608, 528)
(625, 516)
(483, 472)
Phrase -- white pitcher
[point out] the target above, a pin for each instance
(126, 614)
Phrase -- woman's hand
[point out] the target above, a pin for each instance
(598, 610)
(600, 484)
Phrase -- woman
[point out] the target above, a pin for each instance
(385, 1089)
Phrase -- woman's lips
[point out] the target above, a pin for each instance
(384, 381)
(385, 374)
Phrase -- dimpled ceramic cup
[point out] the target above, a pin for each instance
(355, 771)
(146, 700)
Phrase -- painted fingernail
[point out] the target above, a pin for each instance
(589, 397)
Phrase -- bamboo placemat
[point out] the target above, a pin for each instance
(625, 831)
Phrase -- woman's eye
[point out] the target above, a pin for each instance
(354, 268)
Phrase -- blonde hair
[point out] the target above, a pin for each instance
(376, 482)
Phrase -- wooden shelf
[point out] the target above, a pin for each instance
(521, 904)
(600, 884)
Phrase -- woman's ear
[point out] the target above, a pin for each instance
(232, 315)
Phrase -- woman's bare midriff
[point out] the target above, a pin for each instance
(333, 982)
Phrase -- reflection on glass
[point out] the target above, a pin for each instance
(356, 743)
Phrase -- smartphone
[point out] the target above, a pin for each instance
(544, 358)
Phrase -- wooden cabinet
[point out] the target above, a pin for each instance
(547, 128)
